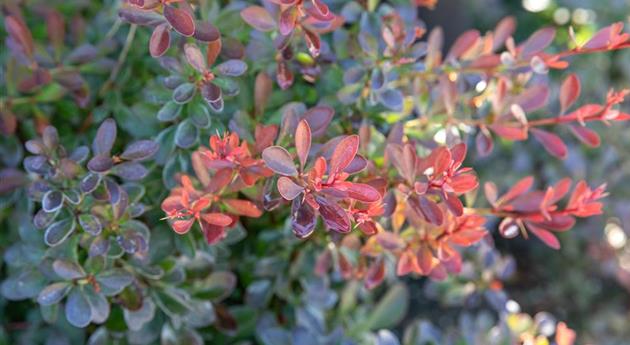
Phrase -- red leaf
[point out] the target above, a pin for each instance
(375, 274)
(303, 142)
(533, 98)
(510, 132)
(463, 43)
(212, 233)
(464, 183)
(454, 204)
(243, 208)
(218, 219)
(289, 189)
(358, 163)
(318, 119)
(544, 235)
(259, 18)
(265, 136)
(518, 189)
(569, 92)
(312, 42)
(407, 263)
(180, 20)
(20, 35)
(279, 160)
(390, 241)
(440, 160)
(160, 40)
(552, 143)
(425, 260)
(586, 135)
(344, 154)
(182, 226)
(538, 41)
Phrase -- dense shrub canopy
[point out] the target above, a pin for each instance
(279, 171)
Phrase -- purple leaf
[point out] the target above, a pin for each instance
(279, 160)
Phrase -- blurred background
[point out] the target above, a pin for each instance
(587, 282)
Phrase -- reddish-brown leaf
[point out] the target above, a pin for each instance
(262, 91)
(537, 42)
(484, 143)
(289, 189)
(552, 143)
(510, 132)
(303, 219)
(569, 92)
(218, 219)
(303, 142)
(431, 211)
(425, 259)
(334, 216)
(375, 274)
(243, 208)
(279, 160)
(265, 136)
(160, 40)
(363, 192)
(344, 154)
(212, 51)
(288, 20)
(259, 18)
(20, 35)
(180, 20)
(407, 263)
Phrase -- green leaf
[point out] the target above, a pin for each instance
(390, 309)
(78, 310)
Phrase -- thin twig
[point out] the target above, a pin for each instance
(121, 60)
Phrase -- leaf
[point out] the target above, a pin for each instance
(131, 171)
(538, 41)
(375, 274)
(232, 68)
(586, 135)
(303, 219)
(90, 224)
(78, 310)
(53, 293)
(334, 216)
(52, 201)
(258, 18)
(113, 281)
(569, 92)
(206, 32)
(504, 29)
(171, 302)
(217, 219)
(289, 189)
(186, 134)
(169, 111)
(484, 143)
(105, 137)
(160, 40)
(195, 57)
(390, 309)
(20, 35)
(57, 232)
(432, 213)
(303, 142)
(279, 160)
(363, 192)
(463, 43)
(243, 208)
(68, 270)
(288, 20)
(219, 285)
(184, 93)
(100, 163)
(552, 143)
(318, 119)
(544, 235)
(392, 99)
(180, 20)
(90, 182)
(140, 150)
(344, 153)
(99, 305)
(212, 51)
(377, 80)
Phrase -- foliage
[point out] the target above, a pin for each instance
(344, 112)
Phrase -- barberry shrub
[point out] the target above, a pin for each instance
(236, 171)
